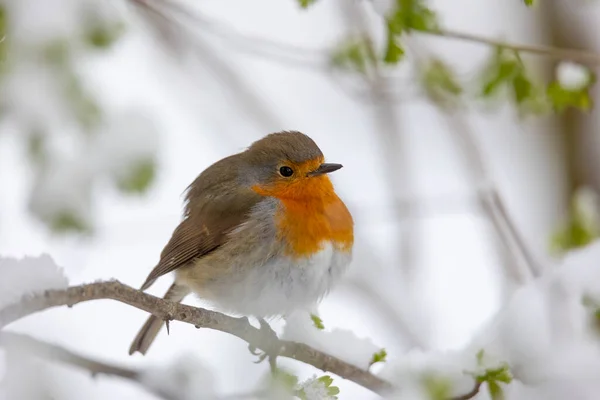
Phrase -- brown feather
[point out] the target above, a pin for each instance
(215, 206)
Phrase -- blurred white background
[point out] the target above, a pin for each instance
(225, 94)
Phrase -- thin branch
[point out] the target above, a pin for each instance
(54, 353)
(287, 53)
(550, 51)
(492, 203)
(166, 18)
(470, 394)
(489, 197)
(199, 317)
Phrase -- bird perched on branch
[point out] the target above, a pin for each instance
(263, 233)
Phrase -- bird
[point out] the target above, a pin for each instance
(263, 234)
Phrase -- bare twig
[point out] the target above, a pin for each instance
(52, 352)
(492, 202)
(199, 317)
(286, 53)
(489, 198)
(470, 394)
(550, 51)
(55, 353)
(167, 19)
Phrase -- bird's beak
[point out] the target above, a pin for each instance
(325, 169)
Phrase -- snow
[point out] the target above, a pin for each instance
(28, 275)
(25, 377)
(406, 371)
(451, 248)
(572, 76)
(185, 378)
(314, 389)
(340, 343)
(545, 334)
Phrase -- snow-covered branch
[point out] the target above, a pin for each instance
(545, 336)
(154, 380)
(56, 353)
(201, 318)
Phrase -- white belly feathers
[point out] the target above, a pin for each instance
(282, 284)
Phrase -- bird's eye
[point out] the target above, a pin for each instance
(286, 171)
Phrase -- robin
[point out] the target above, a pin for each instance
(263, 233)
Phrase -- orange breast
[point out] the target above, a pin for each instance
(306, 221)
(305, 225)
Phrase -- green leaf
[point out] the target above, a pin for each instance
(440, 83)
(326, 380)
(306, 3)
(492, 376)
(317, 321)
(409, 15)
(437, 388)
(355, 54)
(581, 227)
(529, 3)
(479, 356)
(140, 177)
(3, 21)
(504, 73)
(103, 36)
(505, 70)
(67, 221)
(380, 356)
(522, 87)
(563, 98)
(36, 145)
(333, 391)
(3, 38)
(87, 111)
(596, 321)
(301, 394)
(393, 52)
(573, 236)
(501, 374)
(57, 52)
(284, 378)
(495, 390)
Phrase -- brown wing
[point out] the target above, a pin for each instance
(204, 228)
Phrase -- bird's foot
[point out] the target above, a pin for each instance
(273, 349)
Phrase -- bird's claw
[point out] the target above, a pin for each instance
(273, 352)
(253, 350)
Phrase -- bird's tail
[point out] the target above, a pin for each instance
(153, 325)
